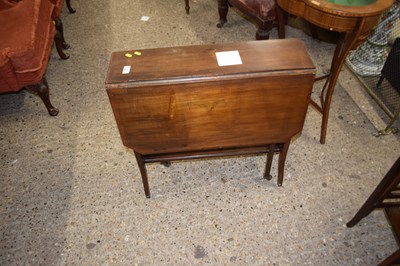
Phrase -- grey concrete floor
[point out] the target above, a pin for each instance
(71, 193)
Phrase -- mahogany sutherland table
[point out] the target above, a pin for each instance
(179, 103)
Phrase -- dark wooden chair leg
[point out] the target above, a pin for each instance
(386, 195)
(223, 7)
(281, 162)
(264, 29)
(42, 90)
(366, 209)
(59, 46)
(143, 173)
(270, 156)
(60, 29)
(70, 9)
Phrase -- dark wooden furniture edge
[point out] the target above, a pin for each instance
(281, 148)
(393, 216)
(386, 196)
(210, 77)
(208, 154)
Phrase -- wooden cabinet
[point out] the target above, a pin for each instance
(178, 103)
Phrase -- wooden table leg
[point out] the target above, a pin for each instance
(187, 7)
(345, 44)
(267, 173)
(143, 173)
(281, 162)
(282, 20)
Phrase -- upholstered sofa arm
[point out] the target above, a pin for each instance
(28, 27)
(27, 33)
(8, 80)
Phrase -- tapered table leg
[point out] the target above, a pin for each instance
(267, 173)
(281, 162)
(143, 172)
(187, 7)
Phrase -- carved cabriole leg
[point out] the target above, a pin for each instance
(222, 11)
(281, 162)
(60, 29)
(70, 9)
(270, 156)
(59, 46)
(143, 173)
(42, 90)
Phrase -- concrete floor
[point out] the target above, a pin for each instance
(71, 193)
